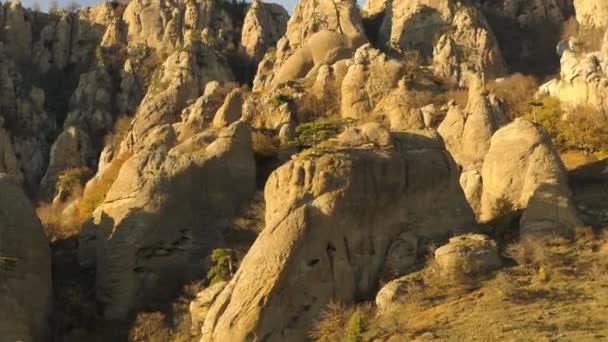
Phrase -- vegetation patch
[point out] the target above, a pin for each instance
(224, 265)
(97, 190)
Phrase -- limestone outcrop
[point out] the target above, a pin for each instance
(528, 31)
(163, 213)
(183, 78)
(454, 37)
(370, 77)
(592, 14)
(318, 32)
(263, 26)
(523, 171)
(467, 134)
(25, 268)
(583, 79)
(331, 219)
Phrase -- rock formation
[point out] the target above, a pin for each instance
(163, 214)
(467, 255)
(467, 136)
(25, 268)
(370, 77)
(263, 26)
(522, 170)
(331, 219)
(591, 14)
(583, 78)
(453, 36)
(319, 32)
(528, 30)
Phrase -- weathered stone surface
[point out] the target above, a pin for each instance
(331, 218)
(25, 268)
(263, 26)
(522, 170)
(318, 32)
(583, 79)
(16, 32)
(230, 111)
(184, 76)
(371, 76)
(467, 255)
(167, 25)
(454, 36)
(91, 103)
(70, 150)
(163, 214)
(592, 14)
(467, 134)
(528, 30)
(199, 307)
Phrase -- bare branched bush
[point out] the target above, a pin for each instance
(331, 323)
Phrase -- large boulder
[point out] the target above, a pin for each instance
(523, 171)
(331, 218)
(164, 213)
(25, 268)
(453, 36)
(468, 254)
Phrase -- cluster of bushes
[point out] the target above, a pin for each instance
(310, 134)
(583, 129)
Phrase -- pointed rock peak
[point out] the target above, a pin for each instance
(477, 84)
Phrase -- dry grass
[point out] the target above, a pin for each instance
(98, 188)
(341, 322)
(120, 129)
(590, 40)
(516, 91)
(265, 143)
(557, 292)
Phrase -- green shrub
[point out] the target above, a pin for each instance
(280, 99)
(355, 327)
(546, 111)
(583, 128)
(312, 133)
(223, 268)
